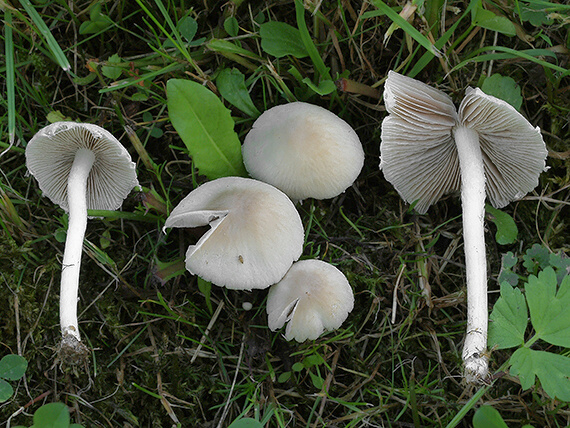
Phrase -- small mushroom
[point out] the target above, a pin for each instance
(304, 150)
(256, 232)
(487, 148)
(312, 297)
(78, 166)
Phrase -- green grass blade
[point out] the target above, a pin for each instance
(407, 27)
(45, 33)
(10, 76)
(308, 42)
(512, 53)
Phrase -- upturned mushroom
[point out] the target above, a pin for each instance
(485, 149)
(255, 232)
(78, 166)
(312, 297)
(304, 150)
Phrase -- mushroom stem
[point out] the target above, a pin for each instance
(77, 202)
(473, 201)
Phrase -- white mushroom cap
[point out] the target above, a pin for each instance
(418, 153)
(313, 297)
(256, 232)
(304, 150)
(50, 155)
(514, 152)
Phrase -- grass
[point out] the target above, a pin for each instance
(180, 353)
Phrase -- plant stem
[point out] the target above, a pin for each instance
(473, 202)
(77, 202)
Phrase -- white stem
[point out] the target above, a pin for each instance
(473, 200)
(77, 202)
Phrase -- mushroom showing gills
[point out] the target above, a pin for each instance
(255, 232)
(314, 296)
(486, 148)
(304, 150)
(79, 167)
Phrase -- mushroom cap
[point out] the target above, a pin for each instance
(314, 296)
(50, 155)
(514, 153)
(256, 232)
(418, 153)
(304, 150)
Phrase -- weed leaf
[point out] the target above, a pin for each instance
(280, 39)
(231, 84)
(6, 391)
(509, 319)
(552, 371)
(206, 127)
(488, 417)
(486, 19)
(52, 415)
(246, 423)
(506, 228)
(504, 88)
(549, 310)
(12, 367)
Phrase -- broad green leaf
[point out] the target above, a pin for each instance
(549, 312)
(112, 71)
(246, 423)
(231, 26)
(280, 39)
(508, 261)
(508, 320)
(486, 19)
(317, 380)
(504, 88)
(231, 84)
(187, 27)
(325, 87)
(535, 14)
(506, 228)
(553, 371)
(537, 257)
(52, 415)
(6, 391)
(206, 127)
(488, 417)
(284, 377)
(12, 367)
(97, 23)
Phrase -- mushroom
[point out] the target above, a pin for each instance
(304, 150)
(312, 297)
(256, 232)
(486, 148)
(78, 166)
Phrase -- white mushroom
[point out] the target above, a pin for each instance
(486, 149)
(78, 166)
(304, 150)
(256, 232)
(314, 296)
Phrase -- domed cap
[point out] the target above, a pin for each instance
(314, 296)
(256, 232)
(50, 154)
(304, 150)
